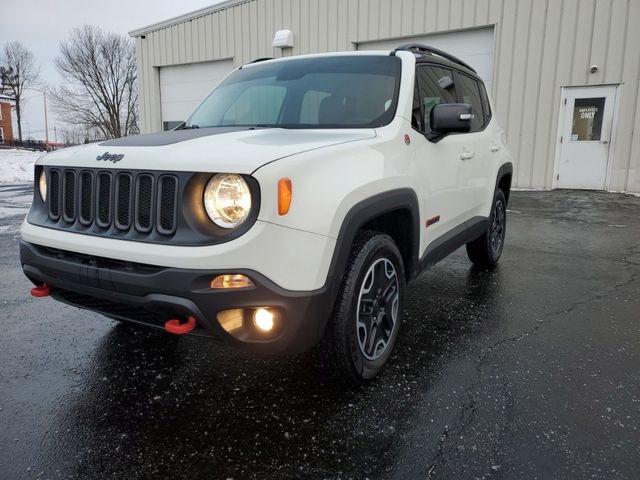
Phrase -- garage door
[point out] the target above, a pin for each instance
(183, 87)
(473, 46)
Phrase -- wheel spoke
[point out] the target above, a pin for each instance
(389, 290)
(366, 306)
(373, 338)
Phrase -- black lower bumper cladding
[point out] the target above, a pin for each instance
(151, 295)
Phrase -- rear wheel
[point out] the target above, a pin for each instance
(485, 251)
(364, 326)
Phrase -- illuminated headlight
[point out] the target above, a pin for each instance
(42, 186)
(227, 200)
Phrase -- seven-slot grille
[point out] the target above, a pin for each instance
(121, 200)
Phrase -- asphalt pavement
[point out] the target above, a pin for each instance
(529, 371)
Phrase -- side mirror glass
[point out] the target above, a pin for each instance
(451, 117)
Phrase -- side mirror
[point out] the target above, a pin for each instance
(451, 117)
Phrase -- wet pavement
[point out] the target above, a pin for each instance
(529, 371)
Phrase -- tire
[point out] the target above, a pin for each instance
(363, 328)
(485, 251)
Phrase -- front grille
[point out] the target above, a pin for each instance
(54, 195)
(69, 196)
(144, 198)
(86, 198)
(107, 201)
(168, 190)
(123, 201)
(104, 199)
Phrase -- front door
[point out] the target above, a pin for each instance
(586, 136)
(440, 164)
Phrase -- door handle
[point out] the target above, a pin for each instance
(466, 155)
(495, 148)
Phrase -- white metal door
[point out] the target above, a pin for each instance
(586, 137)
(183, 87)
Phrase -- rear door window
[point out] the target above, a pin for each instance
(470, 92)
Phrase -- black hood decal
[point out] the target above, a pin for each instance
(170, 137)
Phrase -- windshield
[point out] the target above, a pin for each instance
(325, 92)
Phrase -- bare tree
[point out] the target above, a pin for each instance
(18, 71)
(75, 135)
(99, 91)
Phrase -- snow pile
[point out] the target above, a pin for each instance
(16, 166)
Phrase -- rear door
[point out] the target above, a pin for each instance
(478, 148)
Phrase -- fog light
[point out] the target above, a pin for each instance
(263, 320)
(231, 281)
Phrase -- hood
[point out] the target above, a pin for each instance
(227, 150)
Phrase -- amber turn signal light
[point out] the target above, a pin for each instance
(231, 281)
(284, 195)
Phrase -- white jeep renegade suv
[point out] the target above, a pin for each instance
(290, 210)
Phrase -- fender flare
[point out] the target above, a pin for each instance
(504, 170)
(363, 212)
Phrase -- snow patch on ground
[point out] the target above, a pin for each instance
(16, 166)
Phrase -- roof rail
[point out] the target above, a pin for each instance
(419, 48)
(257, 60)
(261, 59)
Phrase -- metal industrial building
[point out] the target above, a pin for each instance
(564, 74)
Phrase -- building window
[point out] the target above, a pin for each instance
(588, 114)
(1, 135)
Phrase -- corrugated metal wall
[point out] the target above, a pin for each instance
(541, 45)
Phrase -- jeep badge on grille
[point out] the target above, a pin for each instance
(110, 157)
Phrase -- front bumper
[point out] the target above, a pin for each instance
(151, 295)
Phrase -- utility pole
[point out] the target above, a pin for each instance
(46, 125)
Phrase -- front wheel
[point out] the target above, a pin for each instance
(363, 328)
(485, 251)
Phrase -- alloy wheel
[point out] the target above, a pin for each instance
(378, 304)
(498, 228)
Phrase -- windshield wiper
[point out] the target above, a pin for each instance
(184, 126)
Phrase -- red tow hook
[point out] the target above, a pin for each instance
(41, 291)
(174, 326)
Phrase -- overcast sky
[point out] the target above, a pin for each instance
(41, 24)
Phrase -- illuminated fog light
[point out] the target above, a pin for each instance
(231, 281)
(263, 320)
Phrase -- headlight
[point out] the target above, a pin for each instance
(42, 186)
(227, 200)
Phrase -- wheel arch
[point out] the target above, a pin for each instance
(504, 178)
(393, 208)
